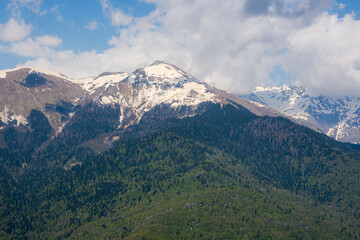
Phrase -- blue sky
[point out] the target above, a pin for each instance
(233, 44)
(350, 6)
(68, 19)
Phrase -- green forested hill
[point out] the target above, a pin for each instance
(225, 174)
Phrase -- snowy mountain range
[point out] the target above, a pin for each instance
(338, 118)
(132, 94)
(136, 93)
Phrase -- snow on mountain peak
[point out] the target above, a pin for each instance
(90, 84)
(160, 69)
(157, 72)
(138, 92)
(338, 118)
(3, 73)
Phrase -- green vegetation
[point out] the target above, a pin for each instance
(225, 174)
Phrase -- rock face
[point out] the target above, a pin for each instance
(339, 118)
(25, 89)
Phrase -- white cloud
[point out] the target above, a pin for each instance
(14, 30)
(118, 17)
(50, 41)
(40, 47)
(15, 6)
(326, 55)
(231, 44)
(92, 25)
(341, 5)
(55, 10)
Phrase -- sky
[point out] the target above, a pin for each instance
(234, 44)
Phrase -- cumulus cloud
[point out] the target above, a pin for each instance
(14, 30)
(326, 55)
(73, 65)
(341, 6)
(40, 47)
(92, 25)
(232, 44)
(118, 17)
(50, 41)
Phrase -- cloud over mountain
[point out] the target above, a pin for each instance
(233, 44)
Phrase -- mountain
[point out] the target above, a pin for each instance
(225, 173)
(157, 154)
(158, 84)
(41, 109)
(25, 89)
(338, 118)
(149, 96)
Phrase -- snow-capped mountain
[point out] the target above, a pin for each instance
(40, 109)
(158, 84)
(131, 94)
(25, 89)
(137, 92)
(337, 117)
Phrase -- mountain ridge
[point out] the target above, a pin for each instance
(135, 92)
(24, 89)
(336, 117)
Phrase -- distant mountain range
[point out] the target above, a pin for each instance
(338, 118)
(158, 154)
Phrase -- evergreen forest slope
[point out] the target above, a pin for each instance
(225, 174)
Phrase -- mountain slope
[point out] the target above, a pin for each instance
(25, 89)
(337, 117)
(88, 115)
(158, 154)
(241, 174)
(34, 107)
(148, 96)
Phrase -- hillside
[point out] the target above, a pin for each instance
(224, 173)
(156, 153)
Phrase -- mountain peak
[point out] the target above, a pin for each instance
(337, 117)
(3, 73)
(159, 62)
(161, 69)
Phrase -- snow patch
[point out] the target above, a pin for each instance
(19, 120)
(139, 99)
(7, 117)
(163, 70)
(4, 115)
(47, 72)
(272, 89)
(91, 84)
(258, 104)
(302, 116)
(109, 100)
(3, 73)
